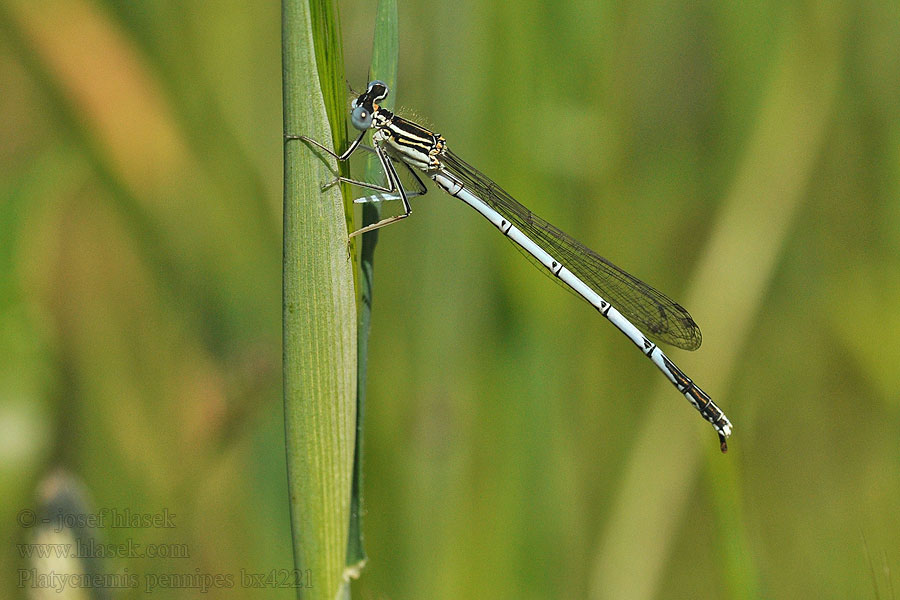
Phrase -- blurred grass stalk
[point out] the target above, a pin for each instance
(319, 311)
(24, 28)
(734, 272)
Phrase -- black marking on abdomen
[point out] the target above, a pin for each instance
(454, 193)
(683, 380)
(558, 266)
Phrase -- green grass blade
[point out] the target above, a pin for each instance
(385, 53)
(319, 324)
(386, 48)
(326, 30)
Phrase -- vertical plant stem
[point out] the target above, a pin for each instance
(319, 325)
(384, 67)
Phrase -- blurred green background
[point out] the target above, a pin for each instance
(743, 158)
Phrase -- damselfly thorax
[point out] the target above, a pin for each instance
(407, 141)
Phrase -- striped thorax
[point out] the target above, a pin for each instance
(407, 141)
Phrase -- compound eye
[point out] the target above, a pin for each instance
(361, 118)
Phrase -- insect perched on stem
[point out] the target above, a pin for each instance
(624, 300)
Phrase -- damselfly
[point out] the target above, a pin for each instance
(623, 299)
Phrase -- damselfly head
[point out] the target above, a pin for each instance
(377, 90)
(366, 104)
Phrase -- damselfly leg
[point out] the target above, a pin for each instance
(394, 189)
(386, 197)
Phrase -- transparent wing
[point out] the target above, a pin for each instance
(652, 311)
